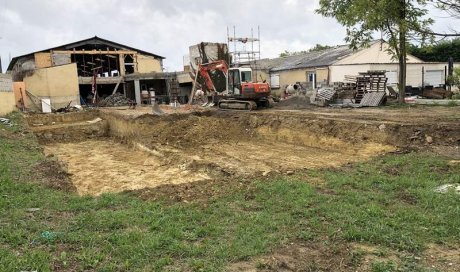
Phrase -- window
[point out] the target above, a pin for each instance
(246, 76)
(311, 77)
(275, 81)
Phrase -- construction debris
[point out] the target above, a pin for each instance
(364, 90)
(327, 94)
(437, 93)
(6, 122)
(115, 100)
(294, 102)
(345, 90)
(324, 97)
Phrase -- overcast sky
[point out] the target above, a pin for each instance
(168, 27)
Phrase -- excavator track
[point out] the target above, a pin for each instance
(241, 105)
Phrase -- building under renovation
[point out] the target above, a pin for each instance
(70, 74)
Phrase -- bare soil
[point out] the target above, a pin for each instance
(53, 173)
(341, 256)
(149, 151)
(130, 150)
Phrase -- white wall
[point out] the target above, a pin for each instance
(414, 71)
(376, 53)
(338, 72)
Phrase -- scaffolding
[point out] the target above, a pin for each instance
(244, 51)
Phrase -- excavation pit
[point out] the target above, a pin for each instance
(106, 152)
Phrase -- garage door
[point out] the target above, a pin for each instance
(275, 81)
(434, 77)
(392, 77)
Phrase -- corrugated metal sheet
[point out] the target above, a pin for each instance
(372, 99)
(314, 59)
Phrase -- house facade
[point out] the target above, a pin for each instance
(323, 68)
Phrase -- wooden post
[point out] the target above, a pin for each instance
(121, 58)
(192, 95)
(135, 63)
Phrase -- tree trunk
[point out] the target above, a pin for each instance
(402, 52)
(402, 67)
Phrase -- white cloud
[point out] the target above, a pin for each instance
(165, 28)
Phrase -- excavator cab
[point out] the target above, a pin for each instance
(237, 76)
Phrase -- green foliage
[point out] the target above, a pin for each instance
(319, 47)
(439, 52)
(396, 20)
(363, 18)
(387, 202)
(454, 80)
(450, 6)
(316, 48)
(288, 53)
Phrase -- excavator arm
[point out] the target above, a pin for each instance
(210, 71)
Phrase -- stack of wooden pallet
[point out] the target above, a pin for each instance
(372, 81)
(345, 90)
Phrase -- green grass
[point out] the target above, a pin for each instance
(388, 202)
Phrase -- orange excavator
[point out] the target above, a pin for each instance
(233, 88)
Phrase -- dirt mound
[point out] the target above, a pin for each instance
(193, 130)
(52, 173)
(114, 100)
(294, 102)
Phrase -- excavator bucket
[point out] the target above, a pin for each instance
(209, 103)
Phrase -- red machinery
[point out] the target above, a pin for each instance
(233, 88)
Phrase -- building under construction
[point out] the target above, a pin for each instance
(73, 73)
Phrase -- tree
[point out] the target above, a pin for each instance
(451, 6)
(317, 47)
(397, 20)
(295, 53)
(454, 80)
(441, 51)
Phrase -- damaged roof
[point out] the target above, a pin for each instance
(97, 41)
(311, 59)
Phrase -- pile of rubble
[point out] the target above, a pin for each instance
(114, 100)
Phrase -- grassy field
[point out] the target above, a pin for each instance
(388, 203)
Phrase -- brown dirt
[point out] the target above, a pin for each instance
(177, 149)
(146, 151)
(317, 256)
(40, 119)
(102, 166)
(314, 256)
(341, 256)
(52, 174)
(442, 258)
(294, 103)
